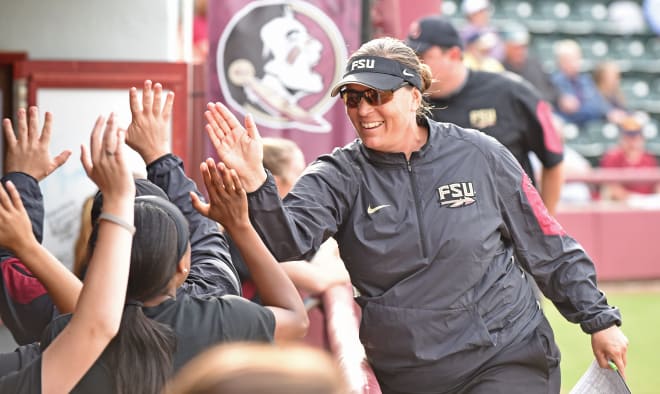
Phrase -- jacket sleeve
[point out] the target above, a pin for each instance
(295, 227)
(541, 135)
(211, 270)
(25, 306)
(560, 266)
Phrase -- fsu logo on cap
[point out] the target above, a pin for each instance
(278, 60)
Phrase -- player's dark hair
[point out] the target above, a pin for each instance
(141, 354)
(396, 49)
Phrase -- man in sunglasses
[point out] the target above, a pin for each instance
(434, 223)
(500, 105)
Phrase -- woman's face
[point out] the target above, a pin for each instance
(386, 127)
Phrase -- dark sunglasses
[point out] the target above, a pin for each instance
(373, 97)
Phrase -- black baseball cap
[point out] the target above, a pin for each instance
(377, 73)
(432, 31)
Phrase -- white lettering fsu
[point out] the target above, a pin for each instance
(456, 194)
(363, 63)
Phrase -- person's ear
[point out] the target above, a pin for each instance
(455, 53)
(416, 101)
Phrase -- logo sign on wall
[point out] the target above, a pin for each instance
(278, 60)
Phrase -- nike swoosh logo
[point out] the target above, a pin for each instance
(371, 210)
(407, 73)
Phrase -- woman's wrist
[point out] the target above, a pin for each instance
(254, 182)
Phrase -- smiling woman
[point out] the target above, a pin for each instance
(435, 224)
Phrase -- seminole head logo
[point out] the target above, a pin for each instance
(278, 60)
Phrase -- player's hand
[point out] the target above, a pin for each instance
(148, 132)
(105, 162)
(15, 226)
(27, 150)
(227, 198)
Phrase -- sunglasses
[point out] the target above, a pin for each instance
(373, 97)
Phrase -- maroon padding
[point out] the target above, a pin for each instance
(22, 287)
(342, 322)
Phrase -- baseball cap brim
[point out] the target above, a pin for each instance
(418, 46)
(370, 80)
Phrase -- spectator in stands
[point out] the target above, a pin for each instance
(579, 100)
(434, 222)
(477, 52)
(243, 368)
(477, 15)
(518, 60)
(505, 108)
(629, 153)
(284, 159)
(651, 11)
(98, 310)
(607, 77)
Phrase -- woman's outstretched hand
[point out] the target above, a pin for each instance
(238, 147)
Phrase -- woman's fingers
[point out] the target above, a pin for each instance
(5, 201)
(169, 103)
(200, 206)
(8, 129)
(158, 91)
(134, 102)
(110, 136)
(33, 124)
(147, 96)
(46, 130)
(14, 196)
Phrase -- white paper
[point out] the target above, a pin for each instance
(597, 380)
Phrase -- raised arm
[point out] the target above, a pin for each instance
(211, 271)
(228, 206)
(27, 156)
(101, 303)
(28, 161)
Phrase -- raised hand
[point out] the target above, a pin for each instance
(27, 150)
(148, 132)
(227, 198)
(238, 147)
(15, 226)
(105, 163)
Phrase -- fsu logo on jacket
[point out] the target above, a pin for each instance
(278, 60)
(482, 118)
(456, 195)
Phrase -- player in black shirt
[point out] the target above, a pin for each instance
(503, 106)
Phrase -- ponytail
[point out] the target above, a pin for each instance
(141, 355)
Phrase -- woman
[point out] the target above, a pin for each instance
(433, 222)
(99, 309)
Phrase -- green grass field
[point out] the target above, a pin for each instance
(641, 324)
